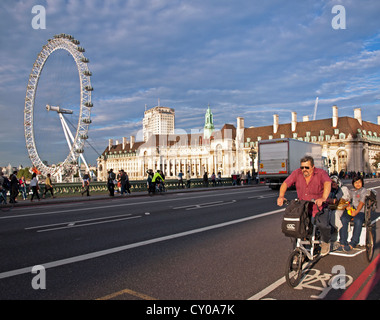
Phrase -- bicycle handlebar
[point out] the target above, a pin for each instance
(287, 202)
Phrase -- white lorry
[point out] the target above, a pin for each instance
(278, 158)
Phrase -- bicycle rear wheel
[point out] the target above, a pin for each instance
(369, 244)
(293, 270)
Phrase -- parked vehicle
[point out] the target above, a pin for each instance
(278, 158)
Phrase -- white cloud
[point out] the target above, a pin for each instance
(246, 58)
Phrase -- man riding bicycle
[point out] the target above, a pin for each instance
(311, 184)
(158, 179)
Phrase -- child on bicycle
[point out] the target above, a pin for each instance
(357, 215)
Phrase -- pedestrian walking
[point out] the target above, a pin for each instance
(205, 180)
(14, 184)
(127, 183)
(86, 185)
(35, 187)
(213, 179)
(22, 184)
(111, 182)
(188, 179)
(149, 182)
(180, 179)
(124, 183)
(4, 187)
(48, 187)
(219, 178)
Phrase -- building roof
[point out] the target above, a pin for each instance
(119, 148)
(345, 125)
(194, 139)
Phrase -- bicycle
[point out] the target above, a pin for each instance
(306, 250)
(159, 187)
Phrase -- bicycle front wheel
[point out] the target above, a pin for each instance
(293, 270)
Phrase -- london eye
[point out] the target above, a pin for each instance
(77, 134)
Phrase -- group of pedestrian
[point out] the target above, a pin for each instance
(352, 174)
(155, 181)
(337, 205)
(153, 184)
(15, 186)
(215, 179)
(10, 185)
(120, 183)
(35, 187)
(244, 178)
(187, 177)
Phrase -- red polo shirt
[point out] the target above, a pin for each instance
(313, 190)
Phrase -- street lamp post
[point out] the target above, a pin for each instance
(334, 163)
(252, 155)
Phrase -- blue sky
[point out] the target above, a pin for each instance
(245, 58)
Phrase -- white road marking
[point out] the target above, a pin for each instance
(102, 253)
(123, 204)
(264, 197)
(204, 205)
(194, 205)
(268, 289)
(70, 226)
(201, 206)
(74, 222)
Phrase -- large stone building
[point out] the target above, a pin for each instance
(350, 144)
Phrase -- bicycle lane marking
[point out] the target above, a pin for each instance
(349, 293)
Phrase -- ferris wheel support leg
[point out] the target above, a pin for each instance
(68, 134)
(66, 130)
(59, 176)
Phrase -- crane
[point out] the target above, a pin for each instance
(315, 108)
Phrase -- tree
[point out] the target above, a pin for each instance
(24, 173)
(377, 160)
